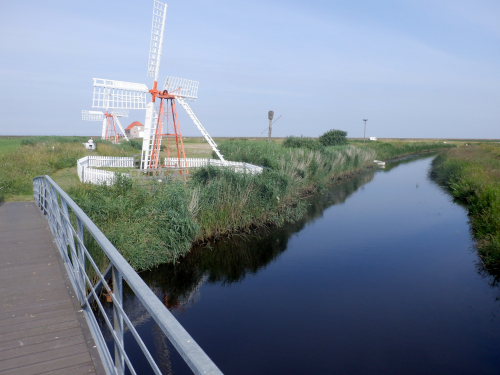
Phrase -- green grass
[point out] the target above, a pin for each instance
(395, 149)
(9, 144)
(472, 175)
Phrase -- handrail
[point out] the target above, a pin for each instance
(55, 204)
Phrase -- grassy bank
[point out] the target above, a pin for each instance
(472, 175)
(392, 150)
(309, 168)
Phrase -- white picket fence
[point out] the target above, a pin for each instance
(201, 162)
(98, 176)
(111, 161)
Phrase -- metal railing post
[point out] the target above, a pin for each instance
(81, 256)
(118, 319)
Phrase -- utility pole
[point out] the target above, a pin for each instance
(270, 117)
(364, 134)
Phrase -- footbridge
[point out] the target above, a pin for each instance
(55, 264)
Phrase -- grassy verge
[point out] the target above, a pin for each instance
(391, 150)
(55, 156)
(472, 175)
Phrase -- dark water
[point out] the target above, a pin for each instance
(379, 278)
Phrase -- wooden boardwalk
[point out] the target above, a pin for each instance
(42, 328)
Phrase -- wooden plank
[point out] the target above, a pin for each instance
(24, 350)
(35, 308)
(38, 323)
(35, 331)
(43, 357)
(20, 319)
(46, 337)
(51, 365)
(82, 369)
(53, 296)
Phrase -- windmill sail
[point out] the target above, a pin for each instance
(183, 88)
(118, 94)
(92, 115)
(157, 30)
(119, 112)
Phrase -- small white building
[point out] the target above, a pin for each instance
(135, 130)
(373, 138)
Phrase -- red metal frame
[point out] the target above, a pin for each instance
(111, 133)
(167, 118)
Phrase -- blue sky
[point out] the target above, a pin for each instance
(412, 68)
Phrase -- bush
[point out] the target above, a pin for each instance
(333, 137)
(135, 144)
(302, 142)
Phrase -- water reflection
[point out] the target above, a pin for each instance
(230, 260)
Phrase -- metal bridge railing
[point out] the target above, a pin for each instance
(67, 222)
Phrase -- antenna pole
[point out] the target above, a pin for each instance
(364, 133)
(270, 117)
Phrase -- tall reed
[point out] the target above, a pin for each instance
(471, 176)
(148, 227)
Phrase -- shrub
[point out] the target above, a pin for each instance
(333, 137)
(135, 144)
(302, 142)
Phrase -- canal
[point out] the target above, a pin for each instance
(380, 277)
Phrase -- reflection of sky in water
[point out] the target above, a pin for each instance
(378, 278)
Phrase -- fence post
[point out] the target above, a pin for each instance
(118, 320)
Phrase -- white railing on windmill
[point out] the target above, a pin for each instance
(109, 122)
(111, 94)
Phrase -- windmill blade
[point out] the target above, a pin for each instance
(201, 129)
(157, 30)
(104, 127)
(120, 126)
(148, 136)
(182, 88)
(92, 115)
(118, 94)
(119, 112)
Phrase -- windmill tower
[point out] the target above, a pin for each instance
(161, 122)
(109, 122)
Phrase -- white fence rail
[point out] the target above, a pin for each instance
(111, 161)
(201, 162)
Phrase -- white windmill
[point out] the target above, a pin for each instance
(109, 122)
(161, 121)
